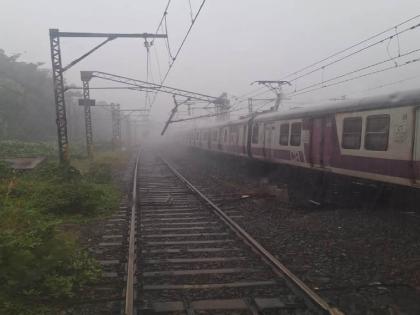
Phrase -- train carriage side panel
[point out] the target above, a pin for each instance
(257, 140)
(285, 141)
(375, 144)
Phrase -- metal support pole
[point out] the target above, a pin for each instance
(129, 140)
(250, 105)
(60, 106)
(116, 126)
(173, 112)
(88, 120)
(277, 102)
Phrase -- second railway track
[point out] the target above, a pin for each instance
(193, 259)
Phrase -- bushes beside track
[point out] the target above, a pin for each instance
(42, 266)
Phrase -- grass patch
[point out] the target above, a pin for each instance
(41, 265)
(10, 148)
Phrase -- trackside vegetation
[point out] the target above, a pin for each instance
(42, 266)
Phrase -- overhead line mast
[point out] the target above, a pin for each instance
(58, 79)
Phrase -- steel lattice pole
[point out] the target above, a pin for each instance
(88, 119)
(60, 106)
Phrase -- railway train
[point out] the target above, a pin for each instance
(373, 138)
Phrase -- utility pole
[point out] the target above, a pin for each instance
(276, 87)
(87, 103)
(58, 80)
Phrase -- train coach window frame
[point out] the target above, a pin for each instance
(351, 137)
(377, 135)
(255, 133)
(295, 134)
(284, 134)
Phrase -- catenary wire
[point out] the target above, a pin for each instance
(351, 47)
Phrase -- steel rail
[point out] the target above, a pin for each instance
(312, 299)
(129, 291)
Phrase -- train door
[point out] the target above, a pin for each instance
(316, 142)
(416, 151)
(249, 136)
(328, 125)
(244, 138)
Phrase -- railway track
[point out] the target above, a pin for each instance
(186, 256)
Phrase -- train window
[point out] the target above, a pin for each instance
(295, 134)
(284, 134)
(352, 133)
(377, 133)
(255, 133)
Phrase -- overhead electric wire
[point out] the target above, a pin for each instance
(168, 46)
(355, 52)
(179, 48)
(389, 84)
(358, 70)
(165, 12)
(146, 96)
(207, 115)
(351, 47)
(157, 62)
(358, 77)
(344, 50)
(183, 41)
(191, 10)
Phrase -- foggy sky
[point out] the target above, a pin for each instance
(233, 43)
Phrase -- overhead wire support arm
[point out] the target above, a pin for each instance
(76, 61)
(111, 35)
(153, 86)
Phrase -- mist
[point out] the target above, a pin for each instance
(231, 44)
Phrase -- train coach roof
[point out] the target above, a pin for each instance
(396, 99)
(226, 123)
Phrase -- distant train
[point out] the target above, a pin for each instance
(375, 138)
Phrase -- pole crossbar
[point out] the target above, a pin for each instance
(114, 35)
